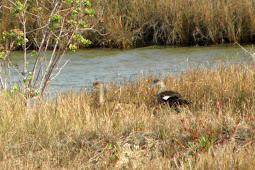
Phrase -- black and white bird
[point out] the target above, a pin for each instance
(173, 98)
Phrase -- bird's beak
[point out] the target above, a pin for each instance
(153, 85)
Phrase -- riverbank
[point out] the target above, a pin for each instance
(71, 131)
(122, 24)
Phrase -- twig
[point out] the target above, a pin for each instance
(38, 28)
(179, 142)
(16, 69)
(252, 54)
(59, 71)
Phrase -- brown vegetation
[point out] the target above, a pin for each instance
(216, 131)
(122, 24)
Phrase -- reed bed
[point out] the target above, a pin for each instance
(135, 23)
(130, 131)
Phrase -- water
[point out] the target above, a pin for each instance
(86, 66)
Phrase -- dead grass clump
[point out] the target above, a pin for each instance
(135, 23)
(73, 131)
(199, 22)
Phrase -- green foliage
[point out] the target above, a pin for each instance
(18, 9)
(72, 22)
(86, 3)
(72, 47)
(90, 12)
(32, 92)
(55, 20)
(75, 12)
(77, 2)
(15, 87)
(112, 153)
(15, 36)
(19, 39)
(25, 81)
(80, 39)
(38, 9)
(195, 146)
(83, 24)
(30, 76)
(203, 143)
(5, 73)
(2, 55)
(34, 53)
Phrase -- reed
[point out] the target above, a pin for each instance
(72, 131)
(167, 22)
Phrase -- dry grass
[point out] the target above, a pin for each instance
(175, 22)
(165, 22)
(71, 131)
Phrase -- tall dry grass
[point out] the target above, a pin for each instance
(131, 131)
(175, 22)
(166, 22)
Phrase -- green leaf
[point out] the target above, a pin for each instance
(15, 87)
(80, 39)
(34, 53)
(108, 146)
(83, 24)
(2, 55)
(90, 12)
(55, 20)
(73, 47)
(25, 81)
(72, 22)
(86, 42)
(18, 9)
(86, 3)
(75, 12)
(77, 2)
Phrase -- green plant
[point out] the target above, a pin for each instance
(56, 28)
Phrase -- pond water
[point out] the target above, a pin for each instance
(86, 66)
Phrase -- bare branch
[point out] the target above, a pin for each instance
(252, 54)
(17, 71)
(53, 77)
(38, 29)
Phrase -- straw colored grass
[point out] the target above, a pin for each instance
(174, 22)
(136, 23)
(130, 131)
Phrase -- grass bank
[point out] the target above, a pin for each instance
(136, 23)
(71, 131)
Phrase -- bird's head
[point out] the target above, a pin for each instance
(158, 82)
(98, 85)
